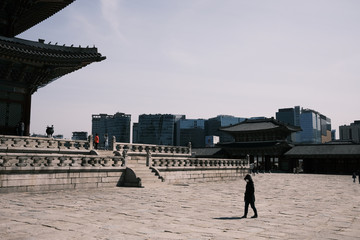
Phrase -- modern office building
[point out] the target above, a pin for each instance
(290, 116)
(350, 132)
(117, 125)
(326, 135)
(80, 136)
(213, 125)
(192, 130)
(316, 128)
(160, 129)
(311, 126)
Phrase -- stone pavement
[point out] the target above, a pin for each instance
(290, 206)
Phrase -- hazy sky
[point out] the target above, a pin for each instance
(203, 58)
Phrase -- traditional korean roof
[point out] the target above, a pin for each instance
(254, 125)
(16, 16)
(33, 65)
(324, 150)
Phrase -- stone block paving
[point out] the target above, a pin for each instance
(290, 206)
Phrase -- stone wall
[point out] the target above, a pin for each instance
(32, 172)
(180, 170)
(36, 164)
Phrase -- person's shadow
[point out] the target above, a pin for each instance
(228, 218)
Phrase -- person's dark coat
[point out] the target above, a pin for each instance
(250, 190)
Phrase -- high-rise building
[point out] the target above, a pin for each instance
(213, 125)
(316, 128)
(117, 125)
(290, 116)
(311, 126)
(325, 129)
(157, 129)
(192, 130)
(350, 132)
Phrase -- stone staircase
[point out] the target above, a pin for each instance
(145, 173)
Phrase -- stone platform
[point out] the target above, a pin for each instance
(290, 206)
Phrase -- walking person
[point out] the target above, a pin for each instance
(249, 197)
(358, 173)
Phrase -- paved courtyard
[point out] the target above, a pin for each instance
(290, 206)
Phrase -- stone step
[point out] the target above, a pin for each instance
(146, 175)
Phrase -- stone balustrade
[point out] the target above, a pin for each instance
(33, 163)
(159, 162)
(23, 162)
(12, 143)
(143, 149)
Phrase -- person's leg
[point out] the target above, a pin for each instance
(254, 209)
(246, 209)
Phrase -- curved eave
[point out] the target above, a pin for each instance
(16, 16)
(40, 53)
(34, 65)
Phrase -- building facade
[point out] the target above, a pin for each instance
(290, 116)
(350, 132)
(192, 130)
(160, 129)
(117, 125)
(80, 136)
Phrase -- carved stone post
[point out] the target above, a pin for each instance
(189, 145)
(91, 144)
(114, 143)
(148, 156)
(125, 156)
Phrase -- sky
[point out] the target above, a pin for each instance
(203, 58)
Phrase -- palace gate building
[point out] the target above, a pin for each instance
(264, 141)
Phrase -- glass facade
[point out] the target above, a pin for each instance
(159, 129)
(311, 127)
(192, 130)
(290, 116)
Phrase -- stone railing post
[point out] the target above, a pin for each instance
(114, 143)
(125, 156)
(91, 144)
(148, 156)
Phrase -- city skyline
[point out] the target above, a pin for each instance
(202, 59)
